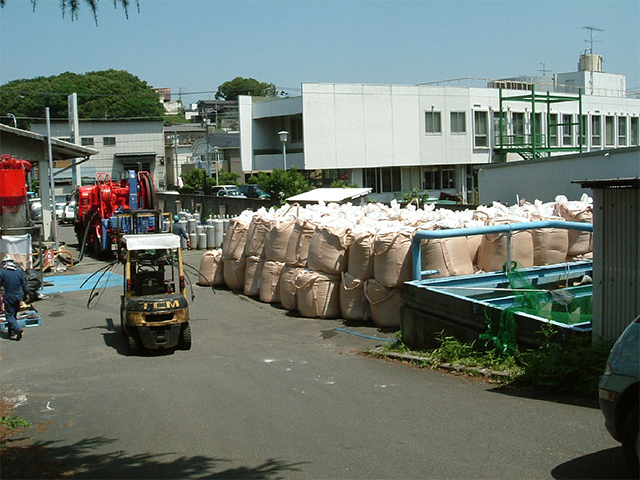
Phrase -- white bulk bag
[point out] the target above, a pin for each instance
(492, 254)
(550, 245)
(256, 236)
(353, 303)
(385, 303)
(211, 269)
(360, 258)
(579, 243)
(278, 239)
(235, 240)
(234, 273)
(392, 258)
(318, 294)
(449, 255)
(328, 249)
(252, 274)
(288, 291)
(270, 281)
(299, 241)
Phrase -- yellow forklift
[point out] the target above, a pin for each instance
(154, 312)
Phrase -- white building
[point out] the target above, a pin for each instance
(121, 145)
(394, 138)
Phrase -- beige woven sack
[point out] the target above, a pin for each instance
(328, 250)
(318, 294)
(492, 254)
(270, 281)
(288, 291)
(278, 239)
(385, 303)
(256, 237)
(449, 255)
(579, 243)
(235, 240)
(299, 241)
(353, 303)
(392, 258)
(234, 273)
(360, 263)
(252, 274)
(211, 269)
(550, 245)
(473, 244)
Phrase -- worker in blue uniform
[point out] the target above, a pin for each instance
(15, 288)
(179, 230)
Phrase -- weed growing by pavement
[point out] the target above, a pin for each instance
(13, 423)
(559, 366)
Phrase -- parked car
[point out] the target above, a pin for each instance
(251, 190)
(619, 393)
(60, 210)
(227, 191)
(69, 212)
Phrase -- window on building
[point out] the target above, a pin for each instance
(432, 179)
(596, 131)
(371, 180)
(391, 179)
(567, 130)
(518, 128)
(634, 131)
(109, 141)
(622, 131)
(296, 129)
(538, 137)
(458, 122)
(609, 131)
(496, 126)
(86, 141)
(553, 130)
(584, 126)
(481, 133)
(432, 122)
(448, 173)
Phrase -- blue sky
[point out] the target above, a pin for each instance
(195, 45)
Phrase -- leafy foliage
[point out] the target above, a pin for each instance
(281, 184)
(101, 95)
(13, 422)
(73, 7)
(342, 184)
(245, 86)
(421, 196)
(196, 179)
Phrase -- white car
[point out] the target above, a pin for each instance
(619, 393)
(69, 213)
(60, 211)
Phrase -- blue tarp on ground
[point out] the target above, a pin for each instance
(72, 283)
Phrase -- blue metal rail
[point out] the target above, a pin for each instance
(507, 228)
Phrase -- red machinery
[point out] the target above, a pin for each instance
(14, 208)
(97, 206)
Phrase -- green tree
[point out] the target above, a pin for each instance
(73, 7)
(108, 94)
(245, 86)
(282, 184)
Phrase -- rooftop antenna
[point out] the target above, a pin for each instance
(592, 32)
(544, 68)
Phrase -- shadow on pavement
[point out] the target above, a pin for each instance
(533, 394)
(49, 459)
(605, 464)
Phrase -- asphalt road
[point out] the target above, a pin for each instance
(263, 394)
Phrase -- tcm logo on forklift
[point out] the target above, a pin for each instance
(163, 305)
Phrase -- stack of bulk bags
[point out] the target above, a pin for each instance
(550, 245)
(318, 294)
(233, 251)
(580, 243)
(391, 268)
(252, 275)
(275, 251)
(318, 287)
(295, 261)
(493, 254)
(448, 255)
(353, 302)
(211, 269)
(257, 236)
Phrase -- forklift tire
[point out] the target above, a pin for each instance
(185, 340)
(132, 342)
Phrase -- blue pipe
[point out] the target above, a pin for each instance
(468, 232)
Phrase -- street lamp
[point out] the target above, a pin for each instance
(284, 135)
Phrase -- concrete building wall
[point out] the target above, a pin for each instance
(544, 179)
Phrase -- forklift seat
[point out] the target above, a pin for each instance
(149, 283)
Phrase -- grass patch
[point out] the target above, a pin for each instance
(570, 366)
